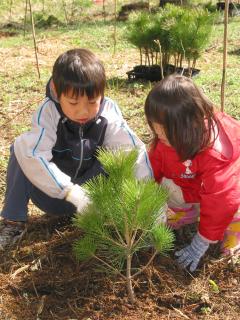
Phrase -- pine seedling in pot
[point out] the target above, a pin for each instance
(123, 218)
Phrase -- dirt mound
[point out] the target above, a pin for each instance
(40, 278)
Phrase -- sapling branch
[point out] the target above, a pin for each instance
(119, 244)
(120, 238)
(146, 266)
(109, 266)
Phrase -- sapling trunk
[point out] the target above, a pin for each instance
(189, 67)
(175, 59)
(181, 60)
(145, 57)
(151, 53)
(148, 58)
(129, 279)
(128, 239)
(194, 63)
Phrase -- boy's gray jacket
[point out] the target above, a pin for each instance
(57, 152)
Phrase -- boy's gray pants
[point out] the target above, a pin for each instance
(20, 190)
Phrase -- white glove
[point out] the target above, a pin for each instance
(162, 215)
(78, 197)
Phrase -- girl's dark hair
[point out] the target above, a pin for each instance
(81, 71)
(185, 113)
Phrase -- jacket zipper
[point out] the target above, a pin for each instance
(80, 132)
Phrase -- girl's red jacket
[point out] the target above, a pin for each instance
(211, 178)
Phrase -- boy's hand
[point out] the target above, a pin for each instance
(78, 197)
(190, 255)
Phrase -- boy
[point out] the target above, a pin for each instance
(50, 162)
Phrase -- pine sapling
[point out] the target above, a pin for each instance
(123, 218)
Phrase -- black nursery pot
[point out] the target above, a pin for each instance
(138, 72)
(141, 69)
(151, 73)
(221, 6)
(188, 72)
(170, 69)
(154, 73)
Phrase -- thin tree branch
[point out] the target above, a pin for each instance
(109, 266)
(146, 266)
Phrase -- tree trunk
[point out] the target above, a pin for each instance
(129, 279)
(141, 59)
(25, 17)
(10, 10)
(34, 38)
(224, 55)
(65, 11)
(104, 10)
(115, 27)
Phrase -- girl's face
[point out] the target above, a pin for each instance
(159, 130)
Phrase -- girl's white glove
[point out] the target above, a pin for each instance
(78, 197)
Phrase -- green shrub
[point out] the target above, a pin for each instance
(181, 33)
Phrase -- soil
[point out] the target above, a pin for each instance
(41, 279)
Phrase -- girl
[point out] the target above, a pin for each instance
(195, 153)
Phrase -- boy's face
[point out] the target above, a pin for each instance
(79, 109)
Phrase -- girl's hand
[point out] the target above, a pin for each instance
(191, 255)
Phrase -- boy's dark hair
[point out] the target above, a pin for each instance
(185, 113)
(81, 71)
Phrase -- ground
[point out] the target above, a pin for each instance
(39, 276)
(41, 279)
